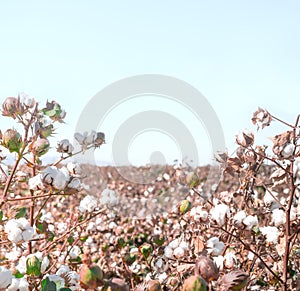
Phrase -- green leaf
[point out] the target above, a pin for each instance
(21, 212)
(70, 239)
(1, 215)
(48, 285)
(18, 275)
(64, 289)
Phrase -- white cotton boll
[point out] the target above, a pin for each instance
(250, 221)
(91, 226)
(184, 245)
(162, 277)
(21, 266)
(61, 179)
(36, 182)
(168, 252)
(14, 254)
(214, 246)
(5, 277)
(28, 234)
(61, 227)
(278, 217)
(179, 252)
(240, 216)
(219, 212)
(74, 168)
(204, 215)
(73, 278)
(18, 285)
(250, 256)
(269, 201)
(219, 261)
(109, 197)
(75, 184)
(45, 264)
(14, 286)
(288, 150)
(75, 252)
(23, 284)
(88, 203)
(112, 225)
(174, 244)
(271, 233)
(63, 269)
(15, 235)
(230, 260)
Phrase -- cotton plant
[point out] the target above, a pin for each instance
(266, 213)
(29, 233)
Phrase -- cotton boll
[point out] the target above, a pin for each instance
(219, 213)
(88, 203)
(5, 277)
(278, 217)
(214, 246)
(18, 285)
(239, 216)
(250, 221)
(174, 244)
(179, 252)
(219, 261)
(271, 233)
(168, 251)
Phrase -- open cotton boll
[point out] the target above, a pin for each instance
(271, 233)
(5, 277)
(179, 252)
(240, 216)
(214, 246)
(219, 213)
(278, 217)
(88, 203)
(18, 230)
(168, 251)
(250, 221)
(18, 285)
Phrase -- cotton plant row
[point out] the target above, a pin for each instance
(35, 249)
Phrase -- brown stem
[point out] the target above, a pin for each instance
(287, 124)
(288, 236)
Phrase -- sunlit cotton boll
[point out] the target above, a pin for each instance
(58, 178)
(271, 233)
(88, 203)
(168, 252)
(18, 230)
(278, 217)
(230, 260)
(239, 217)
(214, 246)
(109, 197)
(5, 277)
(250, 221)
(36, 182)
(219, 213)
(18, 285)
(179, 252)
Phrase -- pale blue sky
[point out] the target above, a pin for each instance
(239, 54)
